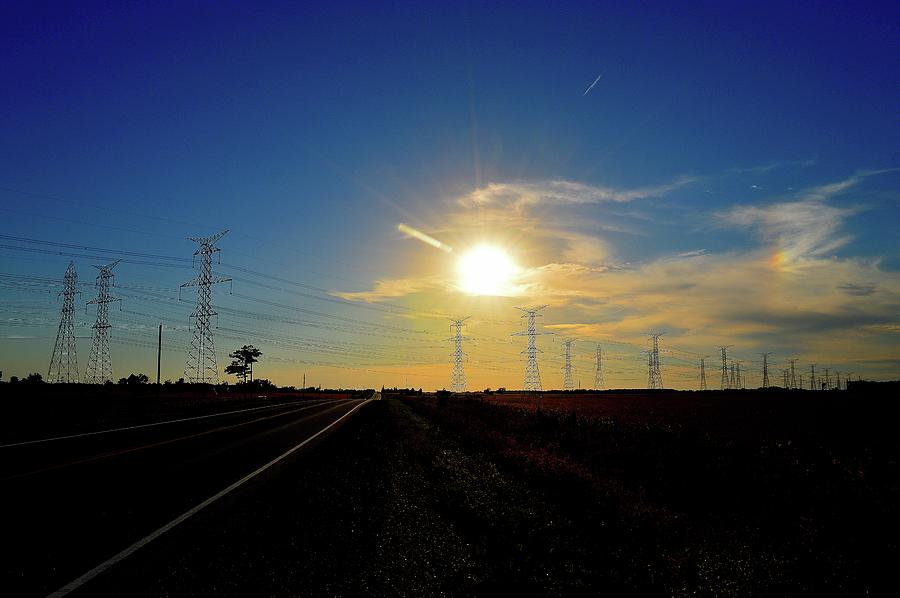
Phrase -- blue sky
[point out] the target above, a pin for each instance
(312, 131)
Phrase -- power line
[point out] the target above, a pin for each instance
(458, 378)
(64, 361)
(654, 375)
(201, 363)
(567, 368)
(532, 373)
(100, 364)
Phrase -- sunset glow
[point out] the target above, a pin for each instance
(487, 270)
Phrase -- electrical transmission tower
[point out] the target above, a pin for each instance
(654, 375)
(64, 361)
(793, 380)
(458, 378)
(201, 362)
(725, 366)
(738, 376)
(765, 369)
(703, 372)
(784, 378)
(827, 380)
(837, 382)
(99, 364)
(732, 377)
(598, 374)
(812, 376)
(532, 373)
(567, 367)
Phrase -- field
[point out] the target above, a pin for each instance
(750, 493)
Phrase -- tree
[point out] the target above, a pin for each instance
(242, 362)
(34, 378)
(134, 379)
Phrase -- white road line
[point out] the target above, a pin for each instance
(75, 584)
(171, 421)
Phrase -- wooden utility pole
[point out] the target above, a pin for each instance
(158, 353)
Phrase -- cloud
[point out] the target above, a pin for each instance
(860, 290)
(522, 194)
(392, 288)
(770, 166)
(804, 227)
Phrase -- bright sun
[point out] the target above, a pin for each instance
(486, 270)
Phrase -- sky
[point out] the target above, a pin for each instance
(732, 178)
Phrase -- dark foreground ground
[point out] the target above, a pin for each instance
(459, 498)
(419, 496)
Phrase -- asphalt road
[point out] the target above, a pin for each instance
(73, 504)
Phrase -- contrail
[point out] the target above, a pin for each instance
(417, 234)
(591, 86)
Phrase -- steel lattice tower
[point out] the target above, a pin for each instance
(738, 376)
(732, 378)
(64, 361)
(458, 378)
(99, 364)
(812, 376)
(598, 373)
(765, 369)
(793, 380)
(827, 380)
(837, 382)
(567, 368)
(725, 366)
(532, 373)
(654, 375)
(703, 373)
(201, 362)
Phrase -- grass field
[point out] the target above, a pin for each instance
(753, 493)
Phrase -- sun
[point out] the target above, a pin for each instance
(487, 270)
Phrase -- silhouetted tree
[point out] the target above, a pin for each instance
(243, 360)
(134, 379)
(34, 378)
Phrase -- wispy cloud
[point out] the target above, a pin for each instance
(523, 194)
(860, 290)
(806, 226)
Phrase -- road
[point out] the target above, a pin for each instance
(74, 506)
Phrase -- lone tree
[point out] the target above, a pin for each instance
(242, 362)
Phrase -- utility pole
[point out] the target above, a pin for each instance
(201, 363)
(532, 373)
(793, 375)
(598, 374)
(765, 369)
(703, 373)
(654, 375)
(159, 354)
(64, 361)
(100, 364)
(725, 366)
(458, 378)
(567, 368)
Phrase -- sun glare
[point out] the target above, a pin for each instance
(487, 270)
